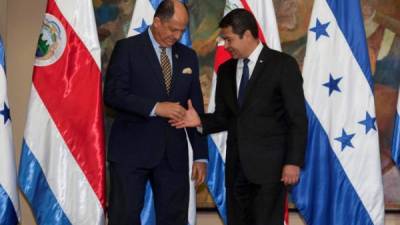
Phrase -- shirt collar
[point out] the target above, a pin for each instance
(153, 40)
(253, 57)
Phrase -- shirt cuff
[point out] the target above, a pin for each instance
(153, 111)
(199, 129)
(201, 161)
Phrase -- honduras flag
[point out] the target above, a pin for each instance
(341, 183)
(396, 136)
(9, 202)
(142, 18)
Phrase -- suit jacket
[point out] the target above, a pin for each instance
(270, 129)
(133, 86)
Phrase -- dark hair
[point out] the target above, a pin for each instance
(166, 10)
(240, 20)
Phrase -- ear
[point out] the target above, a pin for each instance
(247, 34)
(156, 21)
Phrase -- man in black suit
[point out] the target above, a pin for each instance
(149, 81)
(260, 102)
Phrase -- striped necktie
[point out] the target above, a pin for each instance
(166, 69)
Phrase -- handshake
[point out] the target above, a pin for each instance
(178, 116)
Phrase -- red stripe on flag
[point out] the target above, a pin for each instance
(71, 91)
(286, 213)
(260, 31)
(221, 56)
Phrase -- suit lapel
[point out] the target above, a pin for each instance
(151, 55)
(231, 72)
(175, 68)
(257, 73)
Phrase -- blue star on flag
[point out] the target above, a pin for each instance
(333, 84)
(369, 122)
(142, 27)
(345, 139)
(320, 29)
(6, 113)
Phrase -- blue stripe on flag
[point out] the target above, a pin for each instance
(185, 39)
(155, 3)
(323, 180)
(353, 32)
(34, 185)
(396, 141)
(2, 55)
(7, 211)
(147, 216)
(215, 178)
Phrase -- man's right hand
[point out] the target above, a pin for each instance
(190, 119)
(170, 110)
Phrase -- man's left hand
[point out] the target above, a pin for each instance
(199, 172)
(290, 174)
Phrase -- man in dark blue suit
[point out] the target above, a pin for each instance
(149, 81)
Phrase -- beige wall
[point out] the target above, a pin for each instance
(3, 18)
(22, 26)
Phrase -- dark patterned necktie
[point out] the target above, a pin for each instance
(166, 69)
(243, 81)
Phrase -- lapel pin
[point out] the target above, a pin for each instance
(176, 56)
(261, 61)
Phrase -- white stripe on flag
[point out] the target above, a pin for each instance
(142, 15)
(7, 154)
(265, 15)
(63, 174)
(83, 23)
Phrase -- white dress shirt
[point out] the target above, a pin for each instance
(251, 64)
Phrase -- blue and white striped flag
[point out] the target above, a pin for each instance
(341, 183)
(9, 203)
(142, 18)
(396, 136)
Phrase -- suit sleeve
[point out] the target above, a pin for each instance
(219, 120)
(198, 142)
(117, 92)
(292, 90)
